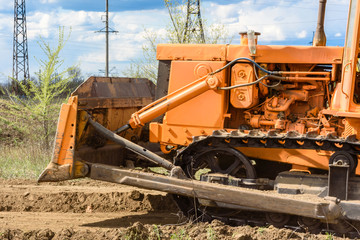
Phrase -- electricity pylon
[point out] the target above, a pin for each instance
(20, 45)
(186, 18)
(194, 31)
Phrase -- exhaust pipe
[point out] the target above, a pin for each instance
(319, 36)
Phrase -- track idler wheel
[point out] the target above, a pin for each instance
(219, 159)
(278, 220)
(311, 225)
(225, 160)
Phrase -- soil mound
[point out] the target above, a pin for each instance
(88, 209)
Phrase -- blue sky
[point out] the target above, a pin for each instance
(285, 22)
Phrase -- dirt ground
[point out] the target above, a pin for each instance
(87, 209)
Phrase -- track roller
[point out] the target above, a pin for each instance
(278, 220)
(311, 225)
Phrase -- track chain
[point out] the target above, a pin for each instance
(273, 139)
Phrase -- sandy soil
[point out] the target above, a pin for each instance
(87, 209)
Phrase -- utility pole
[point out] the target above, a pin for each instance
(20, 45)
(193, 26)
(107, 39)
(107, 30)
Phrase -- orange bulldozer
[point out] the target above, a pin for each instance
(247, 128)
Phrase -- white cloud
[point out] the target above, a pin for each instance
(48, 1)
(301, 34)
(6, 4)
(277, 20)
(125, 45)
(39, 24)
(92, 57)
(6, 24)
(6, 58)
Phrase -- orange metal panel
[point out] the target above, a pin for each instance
(265, 54)
(206, 110)
(301, 157)
(65, 133)
(288, 54)
(205, 52)
(176, 135)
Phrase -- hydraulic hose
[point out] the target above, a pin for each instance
(255, 82)
(246, 59)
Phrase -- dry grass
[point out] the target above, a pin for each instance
(22, 150)
(26, 162)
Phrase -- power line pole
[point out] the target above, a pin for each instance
(193, 27)
(20, 45)
(107, 30)
(107, 39)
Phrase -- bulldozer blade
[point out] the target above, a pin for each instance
(111, 101)
(60, 167)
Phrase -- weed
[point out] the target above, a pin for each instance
(157, 232)
(211, 234)
(329, 236)
(201, 172)
(159, 170)
(261, 229)
(181, 235)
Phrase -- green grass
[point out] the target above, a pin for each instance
(24, 161)
(157, 232)
(159, 170)
(201, 172)
(210, 233)
(329, 236)
(180, 235)
(262, 229)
